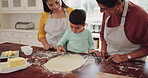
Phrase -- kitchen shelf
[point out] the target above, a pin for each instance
(20, 30)
(96, 35)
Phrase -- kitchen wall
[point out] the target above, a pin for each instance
(0, 20)
(9, 20)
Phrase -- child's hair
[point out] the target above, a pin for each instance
(77, 17)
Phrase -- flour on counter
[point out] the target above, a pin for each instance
(41, 57)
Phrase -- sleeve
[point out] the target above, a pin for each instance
(64, 38)
(41, 32)
(91, 41)
(144, 46)
(69, 10)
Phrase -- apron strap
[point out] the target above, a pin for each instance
(124, 13)
(66, 12)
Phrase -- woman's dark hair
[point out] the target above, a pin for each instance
(46, 9)
(108, 3)
(77, 17)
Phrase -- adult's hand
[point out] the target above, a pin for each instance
(47, 46)
(117, 58)
(102, 53)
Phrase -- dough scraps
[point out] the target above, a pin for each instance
(65, 63)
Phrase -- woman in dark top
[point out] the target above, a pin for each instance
(124, 33)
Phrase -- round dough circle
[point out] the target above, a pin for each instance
(65, 63)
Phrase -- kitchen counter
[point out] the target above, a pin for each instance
(92, 69)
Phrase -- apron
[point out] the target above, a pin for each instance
(117, 41)
(55, 28)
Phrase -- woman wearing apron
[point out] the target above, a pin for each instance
(53, 22)
(124, 33)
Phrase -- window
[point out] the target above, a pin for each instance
(141, 3)
(91, 8)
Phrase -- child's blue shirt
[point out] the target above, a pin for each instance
(77, 42)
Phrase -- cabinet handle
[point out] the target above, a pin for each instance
(26, 35)
(12, 34)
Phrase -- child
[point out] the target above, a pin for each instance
(78, 39)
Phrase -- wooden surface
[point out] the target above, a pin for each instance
(92, 68)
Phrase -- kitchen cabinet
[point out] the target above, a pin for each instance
(5, 4)
(33, 5)
(13, 11)
(8, 33)
(19, 36)
(11, 6)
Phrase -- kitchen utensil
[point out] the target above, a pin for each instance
(24, 25)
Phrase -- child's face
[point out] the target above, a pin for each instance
(76, 28)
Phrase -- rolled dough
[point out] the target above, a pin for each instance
(65, 63)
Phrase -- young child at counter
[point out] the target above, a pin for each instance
(77, 38)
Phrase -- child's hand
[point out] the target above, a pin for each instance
(91, 51)
(59, 49)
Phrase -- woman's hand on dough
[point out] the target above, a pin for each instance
(47, 46)
(117, 58)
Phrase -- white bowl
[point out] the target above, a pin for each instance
(27, 50)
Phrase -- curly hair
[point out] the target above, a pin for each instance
(77, 17)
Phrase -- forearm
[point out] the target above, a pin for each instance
(137, 54)
(64, 39)
(103, 45)
(44, 41)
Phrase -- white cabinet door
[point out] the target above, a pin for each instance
(17, 4)
(13, 37)
(13, 34)
(2, 37)
(30, 39)
(20, 5)
(4, 4)
(10, 5)
(28, 35)
(33, 4)
(9, 37)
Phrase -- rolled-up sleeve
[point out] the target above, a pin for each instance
(41, 32)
